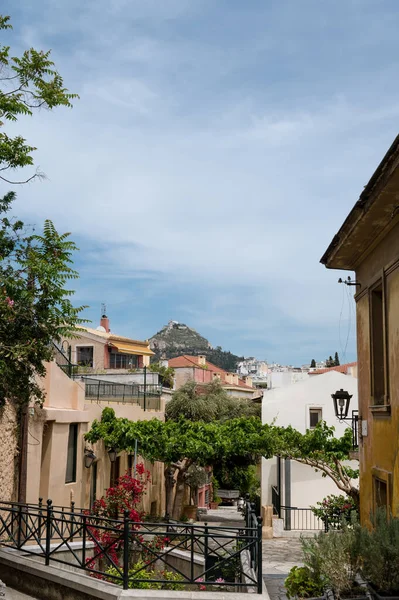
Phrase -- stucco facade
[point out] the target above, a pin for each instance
(292, 405)
(101, 351)
(368, 243)
(198, 369)
(49, 439)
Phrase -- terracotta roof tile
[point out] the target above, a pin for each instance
(193, 361)
(341, 369)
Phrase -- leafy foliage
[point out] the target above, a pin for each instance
(333, 508)
(35, 305)
(208, 403)
(319, 449)
(27, 83)
(301, 583)
(334, 558)
(380, 553)
(179, 444)
(166, 374)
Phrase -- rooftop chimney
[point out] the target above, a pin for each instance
(104, 322)
(202, 360)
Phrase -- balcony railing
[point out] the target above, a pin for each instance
(145, 395)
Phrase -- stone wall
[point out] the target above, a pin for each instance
(8, 452)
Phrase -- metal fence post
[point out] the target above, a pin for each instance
(48, 531)
(126, 550)
(19, 526)
(40, 519)
(259, 555)
(72, 519)
(206, 549)
(192, 554)
(84, 534)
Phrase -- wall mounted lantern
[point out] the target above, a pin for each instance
(90, 457)
(112, 453)
(341, 400)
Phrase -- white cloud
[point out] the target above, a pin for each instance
(176, 168)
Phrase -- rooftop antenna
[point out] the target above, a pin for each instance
(103, 309)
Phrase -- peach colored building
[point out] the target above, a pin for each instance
(198, 369)
(99, 350)
(56, 446)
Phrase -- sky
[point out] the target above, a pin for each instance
(216, 149)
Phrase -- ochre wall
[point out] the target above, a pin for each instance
(379, 450)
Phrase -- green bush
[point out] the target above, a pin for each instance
(334, 508)
(334, 558)
(380, 553)
(302, 583)
(173, 580)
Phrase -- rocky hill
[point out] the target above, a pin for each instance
(177, 338)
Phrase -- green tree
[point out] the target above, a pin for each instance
(336, 360)
(35, 310)
(319, 449)
(330, 362)
(35, 306)
(313, 364)
(27, 83)
(166, 374)
(208, 403)
(179, 444)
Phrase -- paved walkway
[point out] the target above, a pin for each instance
(279, 556)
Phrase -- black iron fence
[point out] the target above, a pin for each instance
(138, 554)
(63, 359)
(145, 395)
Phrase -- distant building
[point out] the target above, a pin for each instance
(303, 405)
(346, 369)
(99, 350)
(198, 369)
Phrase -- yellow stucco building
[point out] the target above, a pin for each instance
(368, 243)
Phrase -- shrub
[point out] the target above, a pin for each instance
(139, 571)
(334, 558)
(302, 583)
(380, 553)
(334, 508)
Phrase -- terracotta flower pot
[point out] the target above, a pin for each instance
(213, 505)
(190, 511)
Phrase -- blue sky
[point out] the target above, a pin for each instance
(215, 151)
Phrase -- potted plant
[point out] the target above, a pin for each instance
(380, 556)
(303, 583)
(214, 503)
(331, 509)
(335, 560)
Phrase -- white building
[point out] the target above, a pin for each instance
(302, 405)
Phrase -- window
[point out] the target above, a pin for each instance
(380, 493)
(315, 415)
(123, 361)
(84, 356)
(72, 453)
(377, 345)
